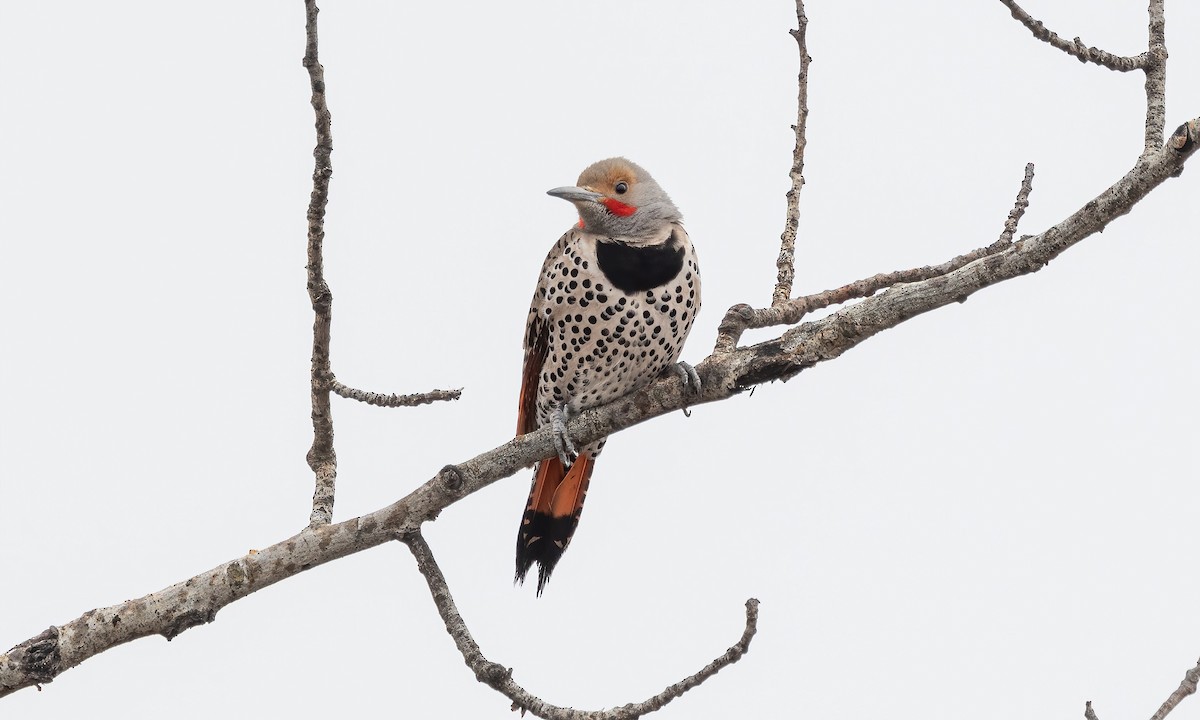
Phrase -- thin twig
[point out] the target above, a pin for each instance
(392, 400)
(500, 679)
(740, 318)
(1156, 77)
(1076, 48)
(786, 263)
(321, 457)
(1187, 687)
(1019, 207)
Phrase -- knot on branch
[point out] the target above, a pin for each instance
(1186, 136)
(739, 313)
(39, 657)
(1157, 55)
(492, 672)
(322, 300)
(187, 620)
(1083, 53)
(452, 479)
(736, 319)
(236, 575)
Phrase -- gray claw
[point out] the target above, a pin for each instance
(690, 377)
(562, 441)
(691, 380)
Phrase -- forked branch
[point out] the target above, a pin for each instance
(1153, 62)
(500, 679)
(740, 318)
(321, 456)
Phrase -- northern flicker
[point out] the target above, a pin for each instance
(614, 303)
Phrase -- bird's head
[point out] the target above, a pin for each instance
(617, 198)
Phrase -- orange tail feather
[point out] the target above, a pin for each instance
(551, 515)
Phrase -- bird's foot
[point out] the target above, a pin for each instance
(691, 382)
(691, 379)
(562, 441)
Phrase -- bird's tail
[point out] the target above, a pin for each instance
(551, 515)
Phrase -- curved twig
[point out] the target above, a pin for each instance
(1076, 48)
(392, 400)
(500, 679)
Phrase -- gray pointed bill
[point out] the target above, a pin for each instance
(575, 194)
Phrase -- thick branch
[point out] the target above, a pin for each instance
(786, 263)
(500, 679)
(1076, 48)
(392, 400)
(321, 457)
(724, 374)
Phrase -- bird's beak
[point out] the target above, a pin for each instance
(575, 194)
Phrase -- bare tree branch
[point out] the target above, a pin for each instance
(392, 400)
(500, 679)
(740, 318)
(1187, 687)
(1156, 77)
(1019, 207)
(1153, 62)
(890, 299)
(1076, 48)
(321, 457)
(786, 263)
(196, 601)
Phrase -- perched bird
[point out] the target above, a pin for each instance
(614, 303)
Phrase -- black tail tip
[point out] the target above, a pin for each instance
(542, 540)
(545, 567)
(543, 575)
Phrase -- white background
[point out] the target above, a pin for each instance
(989, 510)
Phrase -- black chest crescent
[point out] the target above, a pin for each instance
(637, 269)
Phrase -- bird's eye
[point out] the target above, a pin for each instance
(621, 188)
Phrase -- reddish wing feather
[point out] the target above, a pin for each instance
(536, 346)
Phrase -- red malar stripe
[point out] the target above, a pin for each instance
(619, 208)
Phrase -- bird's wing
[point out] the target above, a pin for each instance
(537, 343)
(537, 339)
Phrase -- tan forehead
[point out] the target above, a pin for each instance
(607, 173)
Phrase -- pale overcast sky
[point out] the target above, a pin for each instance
(990, 510)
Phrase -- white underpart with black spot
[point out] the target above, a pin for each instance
(604, 342)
